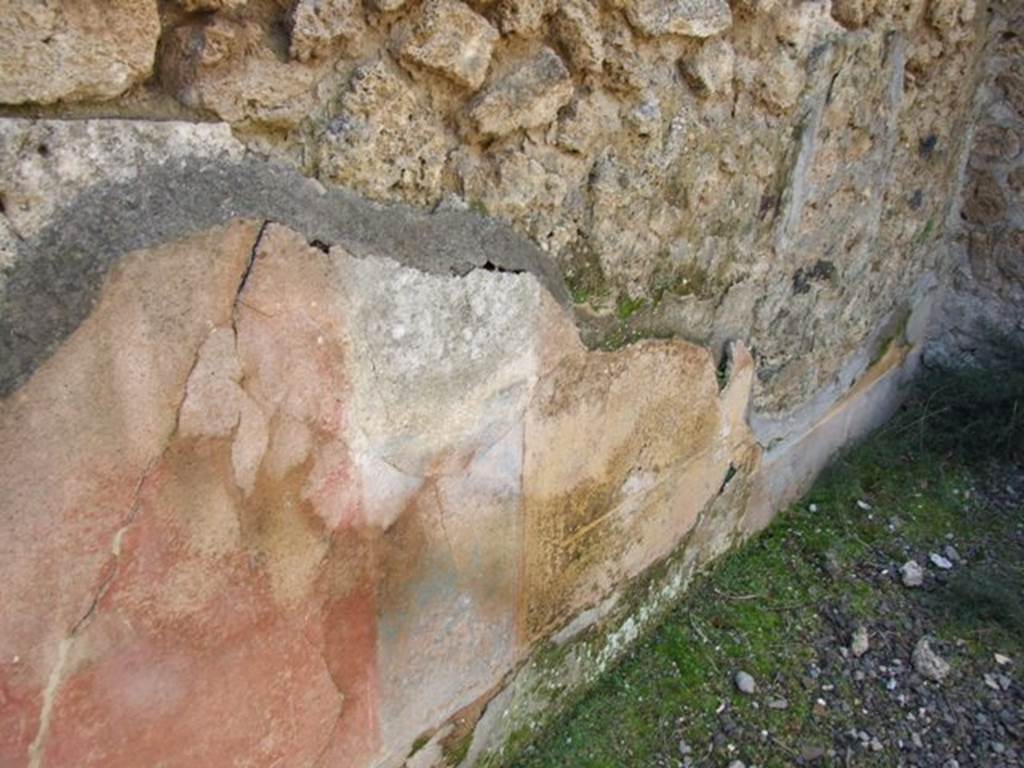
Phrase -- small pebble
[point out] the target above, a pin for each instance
(745, 683)
(812, 753)
(859, 643)
(928, 663)
(940, 562)
(778, 704)
(912, 574)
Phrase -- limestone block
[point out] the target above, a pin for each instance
(451, 39)
(45, 165)
(578, 29)
(317, 24)
(527, 97)
(694, 18)
(70, 51)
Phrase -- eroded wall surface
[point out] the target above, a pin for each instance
(983, 309)
(371, 374)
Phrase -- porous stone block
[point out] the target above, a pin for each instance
(578, 28)
(693, 18)
(523, 17)
(385, 139)
(71, 51)
(711, 69)
(317, 24)
(450, 38)
(529, 96)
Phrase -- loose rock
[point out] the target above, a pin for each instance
(928, 663)
(745, 683)
(860, 643)
(940, 562)
(912, 574)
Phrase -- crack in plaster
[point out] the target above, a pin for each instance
(56, 677)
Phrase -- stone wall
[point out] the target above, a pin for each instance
(373, 373)
(983, 308)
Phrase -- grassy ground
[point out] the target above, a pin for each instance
(784, 607)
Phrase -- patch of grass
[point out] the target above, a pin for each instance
(585, 277)
(456, 753)
(627, 306)
(989, 595)
(681, 280)
(419, 744)
(976, 415)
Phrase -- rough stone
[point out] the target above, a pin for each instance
(317, 24)
(711, 69)
(231, 68)
(928, 663)
(90, 49)
(694, 18)
(860, 642)
(781, 83)
(523, 17)
(194, 6)
(587, 122)
(527, 97)
(853, 13)
(745, 683)
(995, 143)
(911, 574)
(940, 562)
(451, 39)
(949, 15)
(578, 28)
(384, 140)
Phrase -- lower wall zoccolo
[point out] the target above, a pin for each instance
(274, 504)
(757, 486)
